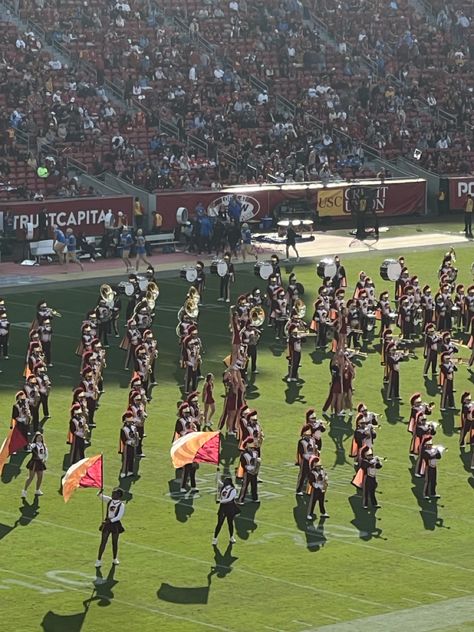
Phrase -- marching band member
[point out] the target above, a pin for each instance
(317, 427)
(45, 333)
(104, 315)
(366, 477)
(432, 340)
(142, 369)
(112, 524)
(275, 261)
(459, 308)
(339, 280)
(116, 308)
(143, 317)
(227, 510)
(272, 289)
(280, 313)
(306, 450)
(208, 400)
(184, 422)
(393, 365)
(195, 412)
(35, 355)
(21, 414)
(360, 285)
(86, 339)
(250, 335)
(354, 328)
(428, 306)
(431, 454)
(4, 333)
(383, 311)
(448, 368)
(78, 434)
(322, 323)
(44, 386)
(417, 406)
(137, 408)
(295, 340)
(128, 444)
(200, 281)
(37, 464)
(405, 317)
(31, 389)
(470, 343)
(424, 430)
(292, 293)
(151, 347)
(334, 399)
(443, 308)
(43, 312)
(136, 297)
(348, 377)
(250, 462)
(364, 433)
(131, 341)
(469, 308)
(318, 483)
(467, 418)
(89, 386)
(227, 279)
(192, 365)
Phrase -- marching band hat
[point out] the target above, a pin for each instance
(384, 293)
(427, 440)
(429, 326)
(85, 327)
(445, 334)
(426, 288)
(184, 406)
(470, 288)
(465, 396)
(78, 392)
(361, 407)
(33, 332)
(292, 277)
(310, 413)
(409, 288)
(459, 287)
(366, 451)
(292, 327)
(31, 377)
(414, 279)
(87, 369)
(414, 398)
(341, 290)
(314, 460)
(135, 380)
(249, 442)
(118, 491)
(350, 302)
(127, 416)
(132, 276)
(199, 264)
(362, 274)
(76, 407)
(444, 356)
(387, 332)
(192, 395)
(391, 346)
(280, 291)
(227, 255)
(147, 332)
(360, 420)
(20, 394)
(251, 413)
(275, 258)
(306, 430)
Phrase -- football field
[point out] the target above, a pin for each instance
(406, 566)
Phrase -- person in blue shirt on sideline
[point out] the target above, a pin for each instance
(234, 209)
(71, 256)
(59, 244)
(140, 249)
(247, 248)
(126, 241)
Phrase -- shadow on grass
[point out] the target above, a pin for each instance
(102, 593)
(428, 507)
(183, 507)
(245, 521)
(447, 422)
(339, 430)
(365, 520)
(190, 595)
(229, 456)
(315, 537)
(292, 392)
(13, 469)
(28, 512)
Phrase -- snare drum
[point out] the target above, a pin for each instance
(370, 321)
(326, 268)
(390, 270)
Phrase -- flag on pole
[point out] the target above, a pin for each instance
(85, 473)
(14, 442)
(196, 447)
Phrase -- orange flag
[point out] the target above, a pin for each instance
(196, 447)
(15, 441)
(87, 472)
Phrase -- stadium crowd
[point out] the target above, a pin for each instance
(213, 93)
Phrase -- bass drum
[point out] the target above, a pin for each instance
(326, 268)
(265, 270)
(222, 268)
(390, 270)
(182, 215)
(214, 266)
(188, 274)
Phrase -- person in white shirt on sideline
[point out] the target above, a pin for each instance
(227, 509)
(112, 524)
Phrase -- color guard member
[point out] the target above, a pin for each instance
(37, 464)
(318, 483)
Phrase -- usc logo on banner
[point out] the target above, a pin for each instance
(330, 202)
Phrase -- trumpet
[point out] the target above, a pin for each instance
(300, 308)
(356, 352)
(463, 361)
(55, 313)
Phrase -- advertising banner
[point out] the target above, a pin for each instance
(82, 214)
(458, 190)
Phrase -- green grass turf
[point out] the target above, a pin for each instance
(282, 574)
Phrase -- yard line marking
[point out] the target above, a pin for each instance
(151, 609)
(418, 603)
(269, 627)
(436, 595)
(302, 622)
(244, 571)
(469, 592)
(356, 611)
(426, 618)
